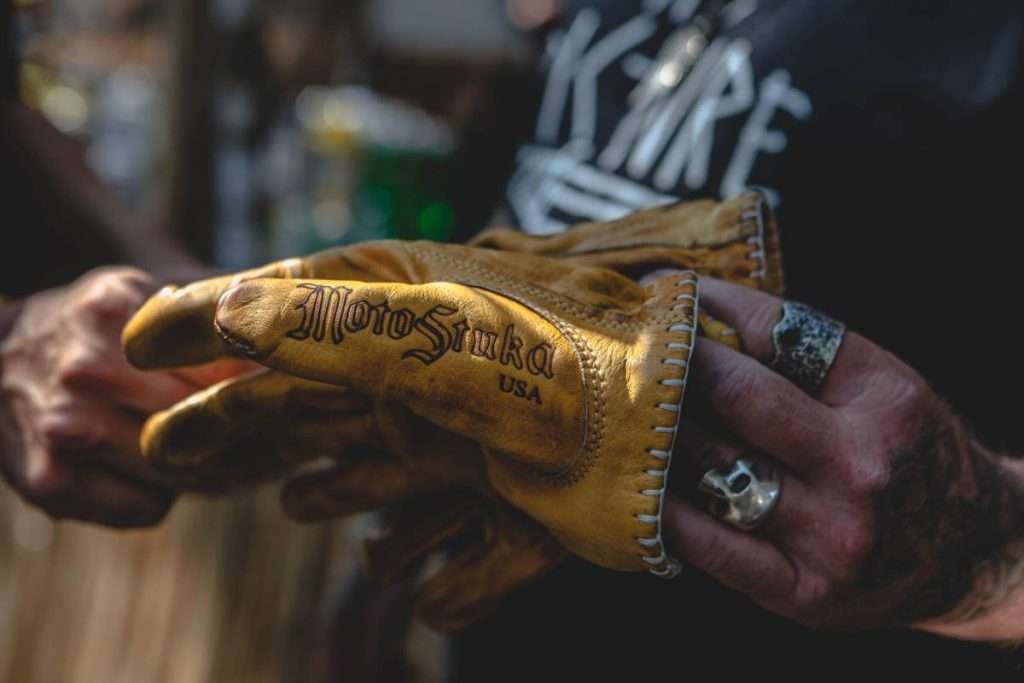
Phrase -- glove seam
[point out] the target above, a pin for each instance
(661, 564)
(595, 387)
(757, 214)
(567, 304)
(678, 319)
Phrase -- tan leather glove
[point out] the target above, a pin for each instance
(735, 240)
(570, 377)
(243, 439)
(381, 456)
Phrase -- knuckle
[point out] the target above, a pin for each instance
(862, 468)
(78, 365)
(852, 543)
(911, 398)
(763, 319)
(736, 390)
(110, 293)
(868, 476)
(720, 562)
(916, 392)
(812, 592)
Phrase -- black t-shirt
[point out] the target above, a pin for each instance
(889, 134)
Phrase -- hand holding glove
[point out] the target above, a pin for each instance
(512, 439)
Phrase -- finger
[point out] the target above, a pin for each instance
(107, 499)
(744, 562)
(426, 346)
(106, 297)
(109, 377)
(84, 432)
(761, 408)
(752, 313)
(174, 328)
(474, 581)
(102, 497)
(713, 328)
(755, 314)
(249, 429)
(798, 511)
(698, 449)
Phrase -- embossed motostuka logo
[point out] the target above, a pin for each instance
(333, 313)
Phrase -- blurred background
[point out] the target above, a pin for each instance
(271, 127)
(252, 130)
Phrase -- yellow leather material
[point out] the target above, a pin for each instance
(735, 240)
(259, 427)
(512, 551)
(447, 351)
(252, 429)
(574, 396)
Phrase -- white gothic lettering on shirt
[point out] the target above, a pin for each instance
(661, 146)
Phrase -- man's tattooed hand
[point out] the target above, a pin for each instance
(891, 513)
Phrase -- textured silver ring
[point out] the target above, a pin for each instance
(806, 342)
(745, 494)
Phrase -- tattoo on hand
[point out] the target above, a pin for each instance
(949, 523)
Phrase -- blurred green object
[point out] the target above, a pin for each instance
(361, 167)
(371, 168)
(403, 195)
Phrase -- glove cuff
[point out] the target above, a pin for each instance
(735, 240)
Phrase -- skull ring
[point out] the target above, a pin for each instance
(743, 495)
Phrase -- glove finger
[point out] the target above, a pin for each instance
(249, 429)
(101, 496)
(434, 347)
(515, 551)
(175, 327)
(363, 485)
(713, 328)
(415, 530)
